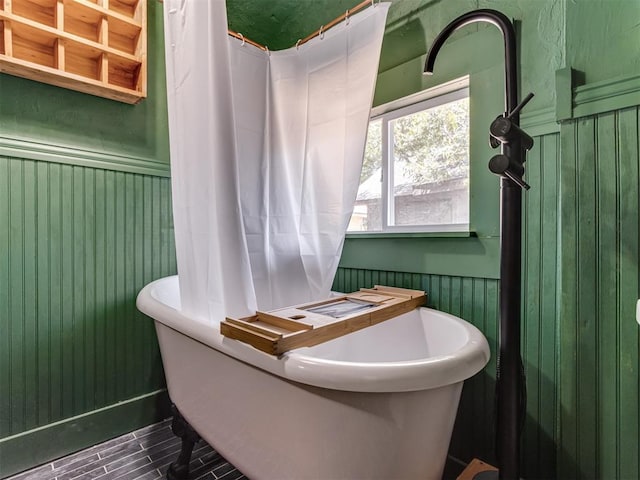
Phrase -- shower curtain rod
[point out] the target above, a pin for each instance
(239, 36)
(336, 21)
(318, 32)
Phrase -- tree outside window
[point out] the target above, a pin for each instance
(415, 171)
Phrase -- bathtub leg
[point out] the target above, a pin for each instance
(179, 470)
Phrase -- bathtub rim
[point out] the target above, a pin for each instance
(297, 366)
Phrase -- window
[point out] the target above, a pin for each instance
(415, 174)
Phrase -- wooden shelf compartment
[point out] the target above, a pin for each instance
(34, 45)
(123, 73)
(281, 330)
(107, 13)
(40, 11)
(18, 21)
(129, 8)
(83, 61)
(2, 50)
(83, 21)
(124, 36)
(92, 48)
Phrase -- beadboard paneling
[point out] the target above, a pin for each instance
(540, 314)
(599, 379)
(76, 246)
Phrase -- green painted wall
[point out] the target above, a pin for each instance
(599, 409)
(602, 38)
(477, 51)
(56, 116)
(85, 223)
(78, 244)
(540, 313)
(580, 341)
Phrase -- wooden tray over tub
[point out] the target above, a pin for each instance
(281, 330)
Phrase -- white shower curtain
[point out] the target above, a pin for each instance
(266, 151)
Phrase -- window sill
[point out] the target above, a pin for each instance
(463, 234)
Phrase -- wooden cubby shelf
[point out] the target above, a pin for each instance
(92, 46)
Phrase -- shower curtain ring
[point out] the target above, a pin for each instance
(321, 33)
(242, 37)
(298, 44)
(346, 17)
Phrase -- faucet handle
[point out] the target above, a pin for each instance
(520, 106)
(505, 130)
(493, 141)
(503, 166)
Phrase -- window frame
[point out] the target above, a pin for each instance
(448, 92)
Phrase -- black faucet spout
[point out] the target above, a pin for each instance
(501, 21)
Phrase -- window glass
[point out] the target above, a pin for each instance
(430, 155)
(415, 173)
(367, 212)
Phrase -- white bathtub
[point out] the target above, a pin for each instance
(379, 403)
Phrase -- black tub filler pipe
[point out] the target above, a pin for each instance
(509, 164)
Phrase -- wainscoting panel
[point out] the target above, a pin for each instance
(599, 380)
(540, 315)
(76, 246)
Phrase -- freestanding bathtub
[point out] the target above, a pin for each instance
(379, 403)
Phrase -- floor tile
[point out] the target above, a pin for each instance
(141, 455)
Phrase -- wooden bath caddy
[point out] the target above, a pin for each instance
(93, 46)
(281, 330)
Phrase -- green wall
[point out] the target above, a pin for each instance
(85, 223)
(598, 409)
(46, 116)
(602, 38)
(580, 341)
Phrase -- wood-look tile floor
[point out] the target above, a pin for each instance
(141, 455)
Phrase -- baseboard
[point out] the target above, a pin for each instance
(35, 447)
